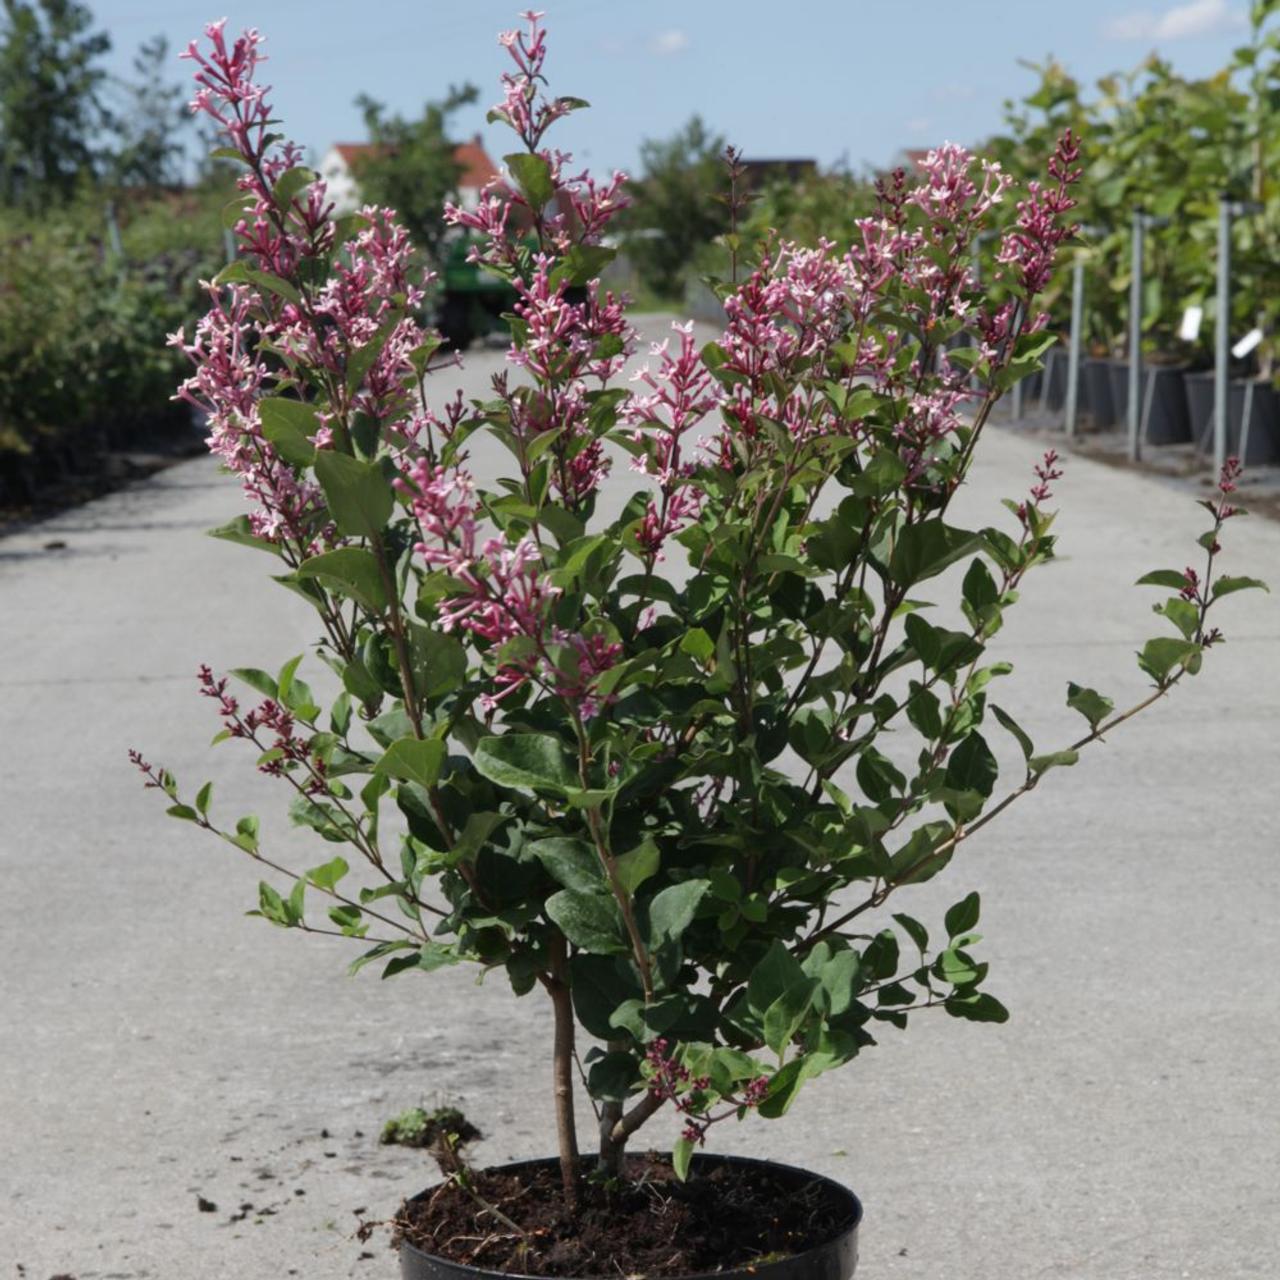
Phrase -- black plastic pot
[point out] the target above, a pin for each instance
(1263, 443)
(1118, 380)
(1053, 379)
(1257, 439)
(1097, 378)
(1168, 421)
(1198, 388)
(834, 1259)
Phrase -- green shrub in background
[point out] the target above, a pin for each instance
(83, 360)
(1154, 140)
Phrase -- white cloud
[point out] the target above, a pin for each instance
(918, 126)
(1195, 18)
(669, 42)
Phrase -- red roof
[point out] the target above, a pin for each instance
(477, 168)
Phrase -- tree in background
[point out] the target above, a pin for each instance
(411, 167)
(818, 206)
(151, 124)
(51, 109)
(682, 196)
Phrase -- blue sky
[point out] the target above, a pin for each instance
(832, 79)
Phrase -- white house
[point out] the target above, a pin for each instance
(342, 160)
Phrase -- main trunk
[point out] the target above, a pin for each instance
(562, 1069)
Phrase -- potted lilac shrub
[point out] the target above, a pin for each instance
(646, 765)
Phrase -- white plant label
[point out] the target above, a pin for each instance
(1247, 344)
(1192, 318)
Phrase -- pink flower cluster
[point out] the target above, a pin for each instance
(672, 1082)
(681, 394)
(1031, 245)
(230, 378)
(581, 208)
(286, 749)
(1047, 471)
(570, 336)
(505, 592)
(322, 328)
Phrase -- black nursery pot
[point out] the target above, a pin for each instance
(1118, 379)
(1199, 393)
(1263, 443)
(1168, 422)
(1053, 379)
(833, 1259)
(1097, 378)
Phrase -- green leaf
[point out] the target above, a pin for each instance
(681, 1155)
(202, 798)
(976, 1006)
(1225, 586)
(972, 766)
(1054, 760)
(886, 471)
(777, 972)
(1161, 655)
(1163, 578)
(637, 865)
(963, 916)
(1183, 614)
(258, 680)
(289, 184)
(439, 661)
(672, 911)
(1020, 734)
(591, 921)
(582, 264)
(526, 761)
(533, 175)
(327, 875)
(601, 985)
(924, 550)
(573, 864)
(840, 978)
(784, 1085)
(238, 531)
(1092, 705)
(413, 760)
(914, 930)
(357, 493)
(785, 1015)
(697, 644)
(475, 834)
(979, 586)
(351, 570)
(287, 424)
(613, 1077)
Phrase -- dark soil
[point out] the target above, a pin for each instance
(651, 1225)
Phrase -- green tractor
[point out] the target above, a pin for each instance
(472, 300)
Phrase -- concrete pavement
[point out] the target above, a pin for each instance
(159, 1052)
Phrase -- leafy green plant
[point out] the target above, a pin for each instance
(680, 201)
(679, 800)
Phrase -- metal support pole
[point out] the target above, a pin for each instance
(1135, 338)
(1073, 348)
(113, 231)
(1222, 336)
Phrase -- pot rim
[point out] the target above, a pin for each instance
(848, 1226)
